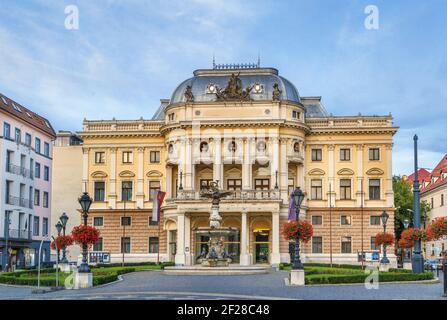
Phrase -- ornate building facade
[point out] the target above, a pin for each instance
(248, 128)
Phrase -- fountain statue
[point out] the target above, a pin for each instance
(216, 254)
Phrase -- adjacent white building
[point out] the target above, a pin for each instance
(25, 179)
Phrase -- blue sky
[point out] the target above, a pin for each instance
(128, 54)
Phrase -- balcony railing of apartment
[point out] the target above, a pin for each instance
(273, 194)
(21, 202)
(21, 171)
(16, 234)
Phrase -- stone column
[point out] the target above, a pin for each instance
(140, 178)
(275, 160)
(331, 174)
(218, 164)
(189, 175)
(180, 254)
(389, 194)
(275, 257)
(244, 257)
(168, 182)
(85, 167)
(284, 172)
(112, 191)
(360, 182)
(246, 165)
(188, 256)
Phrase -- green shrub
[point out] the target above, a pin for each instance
(360, 277)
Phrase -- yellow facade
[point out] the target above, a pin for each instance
(260, 149)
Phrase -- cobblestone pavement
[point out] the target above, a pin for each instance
(156, 285)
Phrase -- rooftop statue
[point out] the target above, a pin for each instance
(234, 90)
(188, 94)
(276, 95)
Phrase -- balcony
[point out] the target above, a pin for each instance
(21, 202)
(20, 171)
(16, 234)
(238, 195)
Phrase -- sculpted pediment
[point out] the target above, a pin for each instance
(126, 174)
(99, 174)
(316, 172)
(345, 172)
(374, 172)
(154, 173)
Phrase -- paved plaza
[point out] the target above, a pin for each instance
(150, 285)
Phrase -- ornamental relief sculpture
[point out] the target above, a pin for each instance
(233, 90)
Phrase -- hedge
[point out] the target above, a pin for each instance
(359, 278)
(132, 264)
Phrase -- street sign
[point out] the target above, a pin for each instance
(99, 257)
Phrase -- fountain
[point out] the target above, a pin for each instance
(217, 255)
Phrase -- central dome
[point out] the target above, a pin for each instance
(205, 82)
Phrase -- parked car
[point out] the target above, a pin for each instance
(435, 264)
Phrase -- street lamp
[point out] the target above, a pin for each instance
(417, 258)
(59, 229)
(406, 224)
(298, 197)
(384, 217)
(63, 220)
(85, 201)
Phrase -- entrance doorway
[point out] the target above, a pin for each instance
(172, 244)
(261, 246)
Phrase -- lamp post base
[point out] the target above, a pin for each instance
(297, 278)
(407, 266)
(384, 267)
(417, 263)
(83, 280)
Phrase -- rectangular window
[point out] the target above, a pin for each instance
(28, 139)
(46, 149)
(37, 170)
(345, 220)
(36, 197)
(317, 220)
(36, 226)
(151, 222)
(374, 189)
(126, 191)
(154, 187)
(345, 154)
(100, 189)
(346, 246)
(234, 184)
(18, 136)
(46, 173)
(45, 227)
(374, 220)
(316, 189)
(126, 221)
(345, 189)
(37, 145)
(98, 245)
(98, 221)
(262, 184)
(295, 114)
(155, 156)
(125, 245)
(317, 244)
(317, 154)
(442, 200)
(100, 157)
(6, 130)
(45, 199)
(205, 183)
(127, 157)
(373, 244)
(374, 154)
(153, 244)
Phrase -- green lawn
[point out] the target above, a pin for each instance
(101, 274)
(337, 274)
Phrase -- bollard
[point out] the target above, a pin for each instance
(444, 271)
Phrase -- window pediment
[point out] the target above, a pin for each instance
(154, 173)
(316, 172)
(375, 172)
(127, 174)
(99, 175)
(345, 172)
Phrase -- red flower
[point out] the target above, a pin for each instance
(61, 242)
(85, 235)
(301, 228)
(437, 229)
(409, 236)
(384, 238)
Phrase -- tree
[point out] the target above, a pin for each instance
(403, 202)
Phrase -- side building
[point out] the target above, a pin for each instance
(25, 192)
(67, 185)
(259, 143)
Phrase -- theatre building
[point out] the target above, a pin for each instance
(248, 128)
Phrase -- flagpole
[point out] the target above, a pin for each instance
(158, 248)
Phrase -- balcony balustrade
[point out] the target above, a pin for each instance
(21, 202)
(21, 171)
(273, 194)
(16, 234)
